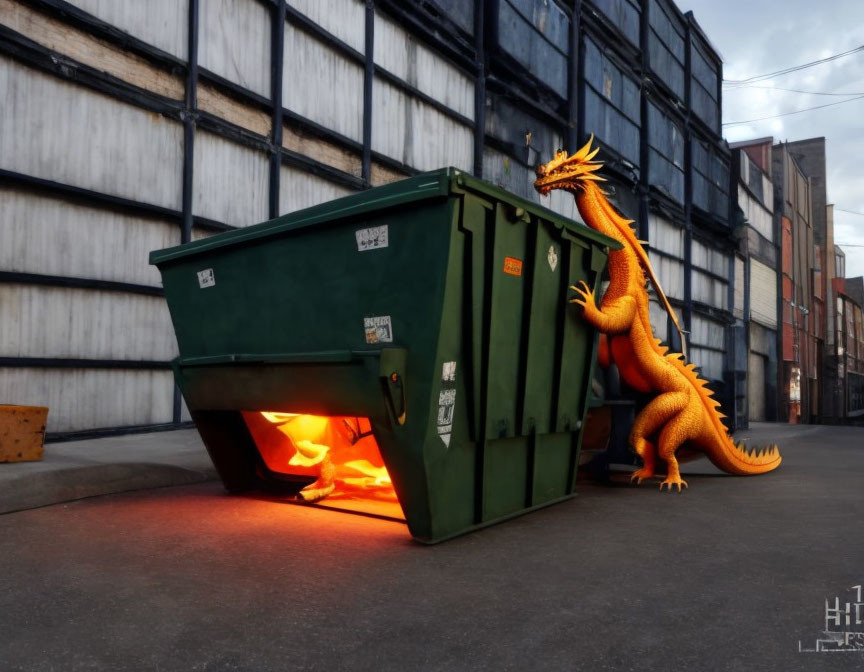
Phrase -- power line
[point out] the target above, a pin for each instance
(812, 93)
(848, 245)
(794, 68)
(851, 212)
(786, 114)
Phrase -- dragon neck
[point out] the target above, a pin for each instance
(625, 265)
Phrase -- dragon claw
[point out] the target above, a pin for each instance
(640, 475)
(671, 482)
(584, 294)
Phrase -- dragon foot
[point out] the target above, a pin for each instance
(640, 475)
(672, 482)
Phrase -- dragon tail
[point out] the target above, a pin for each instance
(735, 458)
(724, 453)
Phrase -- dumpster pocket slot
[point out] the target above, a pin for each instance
(367, 383)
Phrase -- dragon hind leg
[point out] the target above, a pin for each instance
(658, 412)
(676, 432)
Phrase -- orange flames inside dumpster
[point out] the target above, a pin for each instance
(339, 452)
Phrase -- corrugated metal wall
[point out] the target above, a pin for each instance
(763, 294)
(135, 126)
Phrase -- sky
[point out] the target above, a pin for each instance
(762, 36)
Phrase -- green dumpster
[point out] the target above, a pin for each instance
(434, 310)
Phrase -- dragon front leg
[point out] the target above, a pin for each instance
(615, 317)
(658, 412)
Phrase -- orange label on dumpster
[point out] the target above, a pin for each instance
(512, 266)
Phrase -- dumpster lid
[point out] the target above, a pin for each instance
(433, 184)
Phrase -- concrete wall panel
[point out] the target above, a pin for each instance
(321, 85)
(234, 42)
(51, 236)
(417, 134)
(80, 46)
(62, 132)
(344, 19)
(59, 322)
(763, 294)
(81, 399)
(670, 273)
(162, 23)
(231, 181)
(398, 52)
(298, 189)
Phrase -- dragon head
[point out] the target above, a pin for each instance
(569, 172)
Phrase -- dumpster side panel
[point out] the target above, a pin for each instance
(507, 277)
(313, 290)
(553, 458)
(450, 453)
(546, 305)
(576, 344)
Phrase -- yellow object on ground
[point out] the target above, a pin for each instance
(22, 433)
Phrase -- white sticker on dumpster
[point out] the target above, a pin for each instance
(373, 238)
(378, 329)
(206, 278)
(446, 407)
(446, 402)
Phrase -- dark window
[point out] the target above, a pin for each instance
(536, 34)
(754, 180)
(461, 12)
(710, 180)
(666, 47)
(510, 124)
(624, 14)
(611, 103)
(666, 155)
(703, 87)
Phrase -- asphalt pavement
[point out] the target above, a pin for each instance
(733, 574)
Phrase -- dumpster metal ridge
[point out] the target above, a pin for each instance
(436, 183)
(312, 357)
(426, 185)
(558, 220)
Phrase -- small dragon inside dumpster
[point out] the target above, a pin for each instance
(682, 409)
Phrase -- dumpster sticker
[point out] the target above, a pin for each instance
(512, 266)
(373, 238)
(206, 278)
(378, 329)
(446, 402)
(446, 407)
(552, 258)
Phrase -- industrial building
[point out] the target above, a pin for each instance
(133, 126)
(130, 128)
(756, 336)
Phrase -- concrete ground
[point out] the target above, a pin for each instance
(733, 574)
(78, 469)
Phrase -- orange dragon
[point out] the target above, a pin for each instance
(683, 409)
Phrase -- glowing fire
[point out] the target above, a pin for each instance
(340, 452)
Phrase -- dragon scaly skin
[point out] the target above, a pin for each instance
(683, 409)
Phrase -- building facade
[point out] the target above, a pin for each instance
(847, 358)
(137, 126)
(793, 220)
(756, 305)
